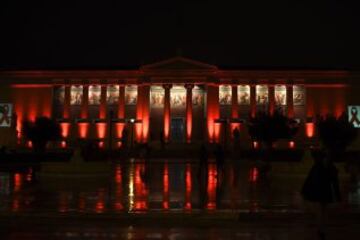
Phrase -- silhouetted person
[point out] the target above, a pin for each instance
(236, 137)
(124, 137)
(321, 186)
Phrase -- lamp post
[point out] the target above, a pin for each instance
(132, 122)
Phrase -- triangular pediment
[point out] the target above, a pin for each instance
(178, 63)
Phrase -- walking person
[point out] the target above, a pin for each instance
(321, 187)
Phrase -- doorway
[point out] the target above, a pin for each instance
(177, 129)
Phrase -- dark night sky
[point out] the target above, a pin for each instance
(53, 34)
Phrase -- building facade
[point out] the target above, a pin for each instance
(179, 100)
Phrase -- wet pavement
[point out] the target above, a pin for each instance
(167, 200)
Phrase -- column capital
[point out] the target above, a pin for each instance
(167, 86)
(189, 86)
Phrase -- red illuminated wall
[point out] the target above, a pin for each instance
(213, 113)
(142, 113)
(31, 101)
(324, 100)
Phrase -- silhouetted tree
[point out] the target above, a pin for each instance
(41, 131)
(268, 128)
(336, 134)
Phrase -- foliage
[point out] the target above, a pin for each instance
(268, 128)
(336, 134)
(41, 132)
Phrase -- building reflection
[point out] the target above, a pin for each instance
(15, 206)
(188, 186)
(63, 202)
(138, 192)
(101, 199)
(166, 186)
(211, 187)
(118, 206)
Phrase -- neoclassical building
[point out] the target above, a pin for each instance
(179, 99)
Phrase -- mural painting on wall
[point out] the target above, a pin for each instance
(94, 94)
(59, 95)
(244, 95)
(299, 95)
(262, 96)
(178, 97)
(197, 97)
(280, 95)
(225, 95)
(112, 94)
(157, 96)
(131, 95)
(76, 94)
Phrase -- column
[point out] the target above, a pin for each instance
(167, 88)
(189, 114)
(102, 110)
(290, 101)
(146, 113)
(120, 113)
(234, 109)
(271, 90)
(83, 127)
(234, 102)
(253, 100)
(142, 113)
(66, 114)
(102, 126)
(212, 102)
(85, 102)
(121, 105)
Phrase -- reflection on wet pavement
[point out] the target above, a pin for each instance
(167, 186)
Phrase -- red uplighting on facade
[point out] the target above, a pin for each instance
(83, 129)
(29, 144)
(310, 129)
(188, 125)
(65, 129)
(138, 131)
(101, 130)
(291, 144)
(217, 131)
(255, 145)
(101, 144)
(119, 144)
(63, 144)
(234, 126)
(119, 129)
